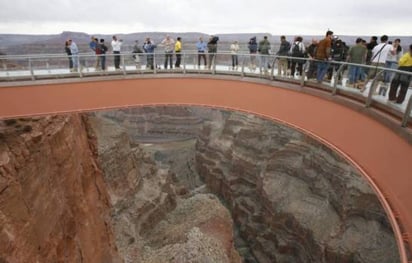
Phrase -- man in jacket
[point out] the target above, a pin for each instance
(284, 52)
(322, 56)
(264, 51)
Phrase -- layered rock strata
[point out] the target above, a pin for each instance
(158, 211)
(292, 198)
(141, 185)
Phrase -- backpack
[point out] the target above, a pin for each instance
(102, 49)
(252, 45)
(296, 51)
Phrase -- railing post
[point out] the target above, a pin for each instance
(184, 62)
(372, 89)
(31, 69)
(272, 70)
(194, 63)
(335, 84)
(48, 66)
(213, 63)
(123, 64)
(302, 78)
(242, 69)
(154, 64)
(407, 113)
(81, 65)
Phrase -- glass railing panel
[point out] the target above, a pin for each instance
(14, 66)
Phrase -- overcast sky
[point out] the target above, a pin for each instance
(303, 17)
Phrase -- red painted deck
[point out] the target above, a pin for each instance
(382, 155)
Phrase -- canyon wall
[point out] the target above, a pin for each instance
(181, 184)
(54, 205)
(292, 199)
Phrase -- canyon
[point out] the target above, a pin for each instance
(181, 184)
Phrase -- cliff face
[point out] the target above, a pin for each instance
(169, 184)
(53, 201)
(292, 199)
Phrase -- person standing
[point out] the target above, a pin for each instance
(356, 55)
(234, 49)
(379, 55)
(339, 53)
(297, 50)
(178, 50)
(116, 46)
(253, 47)
(136, 51)
(149, 48)
(168, 44)
(75, 55)
(201, 49)
(264, 51)
(212, 49)
(373, 42)
(392, 59)
(402, 80)
(103, 50)
(311, 52)
(69, 54)
(283, 52)
(322, 54)
(93, 46)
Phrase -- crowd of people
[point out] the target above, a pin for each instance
(291, 57)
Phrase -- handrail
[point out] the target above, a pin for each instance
(56, 62)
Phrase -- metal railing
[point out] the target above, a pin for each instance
(44, 66)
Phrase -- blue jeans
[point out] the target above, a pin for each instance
(388, 75)
(75, 59)
(234, 61)
(355, 74)
(322, 70)
(103, 61)
(169, 58)
(264, 62)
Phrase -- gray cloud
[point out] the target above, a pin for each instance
(352, 17)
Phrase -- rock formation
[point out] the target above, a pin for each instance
(154, 215)
(292, 199)
(53, 201)
(170, 184)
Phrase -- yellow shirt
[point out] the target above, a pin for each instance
(178, 46)
(405, 60)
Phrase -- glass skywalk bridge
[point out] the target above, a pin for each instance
(43, 84)
(56, 66)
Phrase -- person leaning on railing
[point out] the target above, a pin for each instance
(405, 64)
